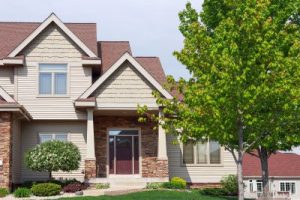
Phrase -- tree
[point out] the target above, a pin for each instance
(53, 156)
(244, 91)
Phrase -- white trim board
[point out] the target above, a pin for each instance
(45, 24)
(6, 96)
(117, 65)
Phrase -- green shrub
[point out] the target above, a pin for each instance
(178, 183)
(213, 191)
(102, 186)
(154, 185)
(175, 183)
(230, 184)
(22, 192)
(3, 192)
(46, 189)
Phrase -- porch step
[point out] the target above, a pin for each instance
(123, 182)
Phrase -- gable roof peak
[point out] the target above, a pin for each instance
(52, 18)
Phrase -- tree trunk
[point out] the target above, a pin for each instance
(240, 177)
(240, 161)
(50, 176)
(263, 155)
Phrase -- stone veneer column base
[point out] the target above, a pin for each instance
(154, 167)
(90, 169)
(5, 150)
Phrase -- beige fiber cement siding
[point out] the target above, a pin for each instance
(7, 79)
(76, 131)
(52, 46)
(126, 87)
(197, 174)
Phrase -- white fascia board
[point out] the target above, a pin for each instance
(118, 64)
(91, 62)
(85, 103)
(45, 24)
(13, 61)
(6, 96)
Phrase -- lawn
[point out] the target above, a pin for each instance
(156, 195)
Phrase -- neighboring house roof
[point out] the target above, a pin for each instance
(111, 51)
(12, 34)
(280, 165)
(118, 64)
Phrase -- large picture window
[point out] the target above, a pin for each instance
(45, 137)
(202, 153)
(53, 79)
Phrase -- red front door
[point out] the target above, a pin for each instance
(123, 152)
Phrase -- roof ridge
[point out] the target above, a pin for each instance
(114, 41)
(146, 56)
(19, 22)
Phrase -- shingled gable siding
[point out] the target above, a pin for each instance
(125, 88)
(151, 167)
(6, 149)
(7, 79)
(52, 46)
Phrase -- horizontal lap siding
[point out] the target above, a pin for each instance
(197, 174)
(127, 87)
(52, 46)
(76, 133)
(7, 79)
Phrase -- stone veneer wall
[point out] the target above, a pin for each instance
(151, 167)
(6, 149)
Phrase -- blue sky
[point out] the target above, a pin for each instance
(150, 26)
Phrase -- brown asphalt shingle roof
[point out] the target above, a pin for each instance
(280, 164)
(13, 33)
(111, 51)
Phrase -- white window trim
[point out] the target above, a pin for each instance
(53, 135)
(285, 187)
(208, 158)
(53, 95)
(260, 182)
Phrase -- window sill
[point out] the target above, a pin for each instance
(202, 165)
(53, 96)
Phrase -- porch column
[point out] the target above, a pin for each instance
(162, 141)
(90, 160)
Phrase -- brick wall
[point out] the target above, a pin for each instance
(5, 149)
(151, 167)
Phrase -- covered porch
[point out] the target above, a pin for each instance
(120, 146)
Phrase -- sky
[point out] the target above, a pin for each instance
(151, 26)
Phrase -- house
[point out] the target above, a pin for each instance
(57, 82)
(284, 173)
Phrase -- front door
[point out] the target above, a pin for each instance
(123, 151)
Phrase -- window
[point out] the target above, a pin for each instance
(202, 153)
(259, 185)
(44, 137)
(53, 79)
(288, 187)
(251, 186)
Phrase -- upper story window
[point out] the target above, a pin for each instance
(53, 79)
(45, 137)
(202, 153)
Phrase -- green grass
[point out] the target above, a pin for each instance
(156, 195)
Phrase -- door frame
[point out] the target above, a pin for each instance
(140, 151)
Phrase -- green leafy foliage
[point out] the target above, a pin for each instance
(3, 192)
(154, 186)
(102, 186)
(46, 189)
(53, 156)
(22, 192)
(230, 185)
(213, 191)
(175, 183)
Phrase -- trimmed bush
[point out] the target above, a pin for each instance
(46, 189)
(102, 186)
(3, 192)
(175, 183)
(213, 191)
(154, 185)
(230, 184)
(22, 192)
(72, 187)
